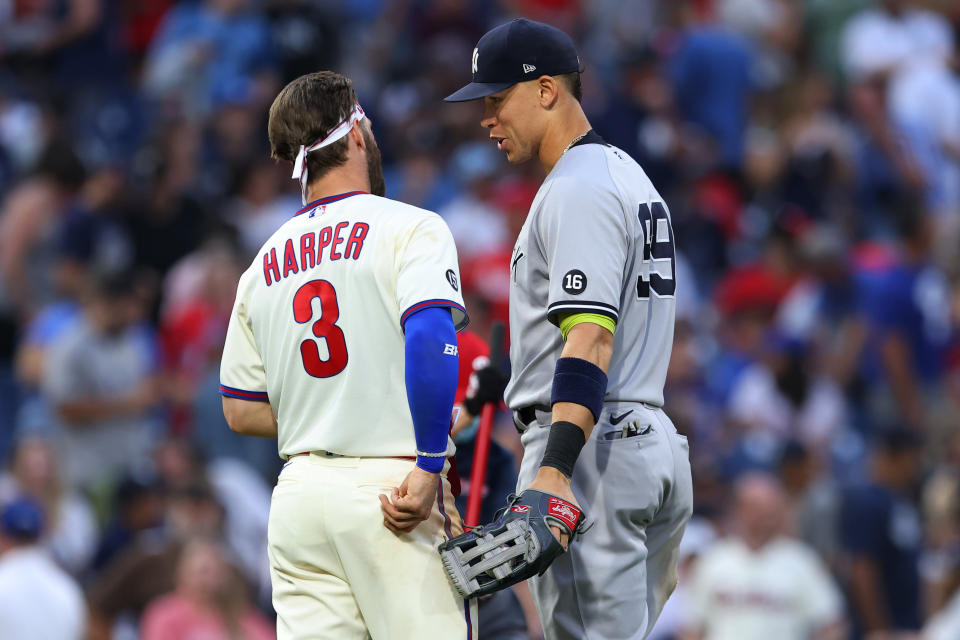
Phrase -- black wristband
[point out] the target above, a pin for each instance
(581, 382)
(563, 447)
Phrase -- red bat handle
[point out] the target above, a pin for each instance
(478, 475)
(481, 449)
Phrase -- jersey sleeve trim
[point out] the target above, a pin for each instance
(564, 307)
(242, 394)
(460, 317)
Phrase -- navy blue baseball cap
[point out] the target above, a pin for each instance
(517, 51)
(22, 519)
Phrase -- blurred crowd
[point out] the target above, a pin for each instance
(809, 151)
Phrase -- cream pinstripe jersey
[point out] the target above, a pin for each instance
(316, 328)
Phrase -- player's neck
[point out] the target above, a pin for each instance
(558, 138)
(340, 180)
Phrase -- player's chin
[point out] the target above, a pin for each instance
(515, 156)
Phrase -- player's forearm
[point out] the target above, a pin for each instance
(896, 359)
(431, 380)
(865, 593)
(594, 344)
(250, 418)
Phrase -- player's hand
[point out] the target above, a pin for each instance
(411, 502)
(486, 386)
(550, 480)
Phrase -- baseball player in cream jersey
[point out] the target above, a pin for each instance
(350, 297)
(591, 323)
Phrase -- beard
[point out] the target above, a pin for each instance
(374, 166)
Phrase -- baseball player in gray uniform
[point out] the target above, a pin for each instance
(591, 322)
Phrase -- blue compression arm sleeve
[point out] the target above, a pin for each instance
(431, 375)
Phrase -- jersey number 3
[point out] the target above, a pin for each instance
(325, 327)
(659, 254)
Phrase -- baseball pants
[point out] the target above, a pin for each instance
(339, 574)
(638, 492)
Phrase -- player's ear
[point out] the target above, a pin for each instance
(548, 91)
(356, 134)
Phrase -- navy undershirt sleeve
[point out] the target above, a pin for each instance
(431, 376)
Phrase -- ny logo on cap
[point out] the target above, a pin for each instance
(527, 68)
(473, 65)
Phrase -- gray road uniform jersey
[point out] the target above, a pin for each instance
(598, 239)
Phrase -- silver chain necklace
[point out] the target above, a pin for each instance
(574, 141)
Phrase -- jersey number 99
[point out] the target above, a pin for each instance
(325, 327)
(659, 253)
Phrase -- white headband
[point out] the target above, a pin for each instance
(342, 129)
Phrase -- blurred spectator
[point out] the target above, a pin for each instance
(945, 625)
(820, 147)
(907, 305)
(758, 583)
(477, 226)
(774, 30)
(140, 22)
(417, 178)
(198, 295)
(814, 500)
(206, 602)
(886, 169)
(784, 396)
(711, 72)
(238, 490)
(169, 221)
(104, 387)
(93, 236)
(824, 23)
(24, 129)
(70, 39)
(208, 49)
(486, 276)
(940, 502)
(882, 535)
(37, 599)
(137, 509)
(261, 205)
(923, 99)
(71, 532)
(641, 118)
(29, 221)
(306, 36)
(698, 537)
(824, 309)
(904, 31)
(147, 568)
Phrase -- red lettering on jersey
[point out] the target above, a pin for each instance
(323, 241)
(307, 250)
(337, 240)
(289, 259)
(270, 266)
(355, 242)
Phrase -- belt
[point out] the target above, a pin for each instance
(331, 454)
(528, 414)
(453, 476)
